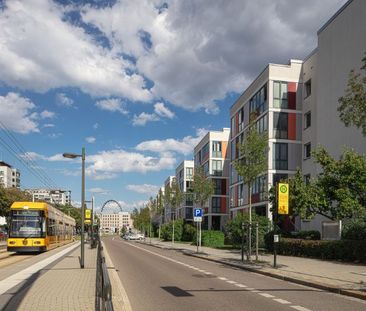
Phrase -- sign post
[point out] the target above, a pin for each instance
(282, 195)
(197, 217)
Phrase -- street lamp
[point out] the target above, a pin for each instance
(82, 156)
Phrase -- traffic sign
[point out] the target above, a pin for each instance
(87, 213)
(283, 192)
(197, 214)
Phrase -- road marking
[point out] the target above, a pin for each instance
(283, 301)
(222, 278)
(208, 273)
(300, 308)
(266, 295)
(240, 285)
(231, 282)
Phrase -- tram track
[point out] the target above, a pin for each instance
(9, 258)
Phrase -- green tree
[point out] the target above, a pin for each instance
(343, 184)
(202, 187)
(10, 195)
(251, 163)
(173, 198)
(352, 106)
(141, 218)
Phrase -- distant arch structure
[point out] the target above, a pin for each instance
(109, 203)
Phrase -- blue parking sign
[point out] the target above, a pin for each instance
(197, 212)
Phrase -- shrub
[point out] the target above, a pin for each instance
(212, 238)
(233, 230)
(355, 230)
(306, 235)
(189, 232)
(167, 230)
(346, 250)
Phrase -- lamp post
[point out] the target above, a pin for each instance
(82, 156)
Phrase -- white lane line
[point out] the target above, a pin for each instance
(240, 285)
(266, 295)
(208, 273)
(23, 275)
(255, 291)
(283, 301)
(300, 308)
(222, 278)
(231, 282)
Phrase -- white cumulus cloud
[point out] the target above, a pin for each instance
(113, 105)
(91, 140)
(63, 100)
(144, 189)
(143, 118)
(16, 113)
(163, 111)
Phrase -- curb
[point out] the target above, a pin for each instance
(333, 289)
(119, 295)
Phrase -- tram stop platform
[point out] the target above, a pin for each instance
(56, 282)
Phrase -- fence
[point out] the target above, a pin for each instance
(103, 290)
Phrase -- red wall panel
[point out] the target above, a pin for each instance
(291, 94)
(292, 126)
(223, 205)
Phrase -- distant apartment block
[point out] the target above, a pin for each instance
(184, 177)
(55, 196)
(168, 211)
(213, 156)
(113, 223)
(9, 176)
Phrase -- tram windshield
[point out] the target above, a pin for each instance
(26, 224)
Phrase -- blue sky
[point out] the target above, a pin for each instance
(137, 83)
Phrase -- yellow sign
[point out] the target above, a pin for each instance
(87, 214)
(87, 221)
(282, 199)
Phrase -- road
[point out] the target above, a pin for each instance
(158, 279)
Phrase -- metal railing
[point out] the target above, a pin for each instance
(103, 290)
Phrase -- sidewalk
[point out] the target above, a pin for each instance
(343, 278)
(64, 285)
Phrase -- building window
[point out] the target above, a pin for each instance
(189, 172)
(206, 168)
(307, 179)
(216, 205)
(241, 119)
(259, 186)
(217, 186)
(278, 178)
(217, 167)
(307, 120)
(262, 124)
(257, 103)
(307, 150)
(280, 125)
(216, 149)
(280, 94)
(308, 88)
(280, 156)
(205, 152)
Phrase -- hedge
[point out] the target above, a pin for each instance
(211, 238)
(345, 250)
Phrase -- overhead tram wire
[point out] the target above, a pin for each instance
(25, 155)
(26, 161)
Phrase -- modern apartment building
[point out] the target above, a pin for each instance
(297, 105)
(168, 212)
(9, 176)
(212, 154)
(55, 196)
(184, 177)
(113, 223)
(274, 101)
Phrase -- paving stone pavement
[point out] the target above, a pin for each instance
(64, 286)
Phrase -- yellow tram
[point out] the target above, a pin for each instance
(38, 227)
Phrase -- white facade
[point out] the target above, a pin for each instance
(213, 156)
(274, 100)
(55, 196)
(113, 223)
(167, 209)
(184, 177)
(9, 176)
(314, 87)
